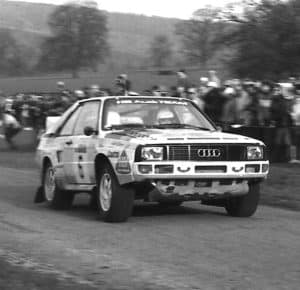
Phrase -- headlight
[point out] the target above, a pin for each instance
(255, 152)
(152, 153)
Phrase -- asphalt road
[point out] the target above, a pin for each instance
(190, 247)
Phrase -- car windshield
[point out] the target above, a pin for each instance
(145, 112)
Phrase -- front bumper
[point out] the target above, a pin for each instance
(195, 170)
(199, 180)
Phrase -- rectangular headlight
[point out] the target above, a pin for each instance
(153, 153)
(255, 152)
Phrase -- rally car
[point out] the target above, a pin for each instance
(156, 149)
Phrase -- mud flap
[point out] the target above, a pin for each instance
(39, 195)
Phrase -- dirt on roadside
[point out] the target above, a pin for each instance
(14, 277)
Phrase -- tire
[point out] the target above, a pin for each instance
(114, 202)
(55, 197)
(93, 200)
(246, 205)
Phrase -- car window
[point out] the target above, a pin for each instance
(151, 112)
(68, 127)
(87, 117)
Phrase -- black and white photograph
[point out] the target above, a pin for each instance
(149, 145)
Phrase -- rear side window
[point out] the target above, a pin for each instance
(89, 116)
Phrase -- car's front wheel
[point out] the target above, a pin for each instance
(114, 202)
(246, 205)
(54, 196)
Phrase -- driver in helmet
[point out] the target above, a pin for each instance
(165, 116)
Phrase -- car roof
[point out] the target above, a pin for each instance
(132, 97)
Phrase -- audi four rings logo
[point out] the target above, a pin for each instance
(206, 153)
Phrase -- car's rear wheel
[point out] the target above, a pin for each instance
(114, 202)
(53, 195)
(246, 205)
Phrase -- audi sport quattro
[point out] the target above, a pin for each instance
(156, 149)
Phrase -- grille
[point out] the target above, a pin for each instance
(179, 152)
(230, 152)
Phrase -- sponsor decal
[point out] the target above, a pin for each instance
(118, 144)
(234, 169)
(126, 135)
(123, 165)
(59, 154)
(152, 101)
(80, 149)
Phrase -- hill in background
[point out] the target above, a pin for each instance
(130, 35)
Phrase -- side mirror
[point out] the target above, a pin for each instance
(219, 129)
(88, 131)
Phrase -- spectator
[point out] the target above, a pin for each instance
(252, 114)
(181, 92)
(242, 101)
(11, 127)
(192, 94)
(203, 88)
(79, 95)
(155, 91)
(173, 91)
(296, 119)
(213, 102)
(182, 80)
(122, 85)
(265, 100)
(214, 78)
(281, 119)
(230, 111)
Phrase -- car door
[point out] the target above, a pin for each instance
(65, 151)
(83, 146)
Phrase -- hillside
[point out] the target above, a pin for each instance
(129, 34)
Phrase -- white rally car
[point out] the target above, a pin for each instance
(157, 149)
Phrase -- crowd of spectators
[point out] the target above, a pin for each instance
(230, 103)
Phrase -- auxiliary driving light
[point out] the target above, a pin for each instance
(164, 169)
(252, 168)
(265, 167)
(145, 168)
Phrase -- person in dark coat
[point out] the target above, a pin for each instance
(282, 120)
(213, 103)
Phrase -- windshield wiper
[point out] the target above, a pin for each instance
(180, 126)
(125, 126)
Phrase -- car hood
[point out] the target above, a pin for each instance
(159, 136)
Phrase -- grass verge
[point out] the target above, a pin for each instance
(282, 187)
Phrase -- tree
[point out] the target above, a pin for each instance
(78, 40)
(161, 50)
(266, 38)
(11, 60)
(199, 35)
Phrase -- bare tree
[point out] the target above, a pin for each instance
(199, 35)
(11, 60)
(79, 39)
